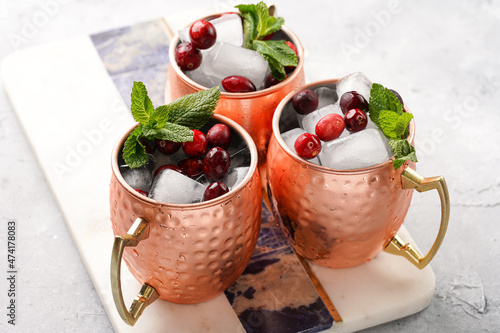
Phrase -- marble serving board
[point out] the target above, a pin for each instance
(72, 99)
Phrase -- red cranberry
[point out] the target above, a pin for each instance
(353, 100)
(192, 166)
(289, 69)
(168, 166)
(219, 136)
(214, 190)
(216, 163)
(144, 193)
(238, 84)
(167, 147)
(202, 34)
(398, 96)
(187, 56)
(330, 127)
(305, 101)
(307, 146)
(272, 81)
(198, 146)
(355, 120)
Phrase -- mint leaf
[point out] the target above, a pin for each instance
(387, 122)
(194, 110)
(173, 122)
(172, 132)
(250, 21)
(402, 124)
(277, 70)
(141, 107)
(403, 151)
(393, 125)
(257, 23)
(278, 50)
(160, 115)
(134, 153)
(381, 99)
(266, 24)
(278, 54)
(387, 113)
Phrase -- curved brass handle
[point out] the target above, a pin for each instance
(138, 231)
(412, 180)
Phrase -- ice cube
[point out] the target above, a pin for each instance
(291, 136)
(235, 177)
(240, 156)
(162, 159)
(309, 121)
(200, 76)
(355, 82)
(224, 60)
(138, 178)
(173, 187)
(358, 150)
(229, 30)
(326, 96)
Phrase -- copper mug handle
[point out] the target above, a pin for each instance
(413, 180)
(138, 232)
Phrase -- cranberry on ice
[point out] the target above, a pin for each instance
(214, 190)
(305, 101)
(219, 136)
(203, 34)
(355, 120)
(330, 127)
(237, 84)
(216, 163)
(198, 146)
(187, 56)
(307, 146)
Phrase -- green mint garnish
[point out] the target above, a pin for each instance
(387, 113)
(134, 153)
(403, 151)
(257, 24)
(173, 121)
(382, 99)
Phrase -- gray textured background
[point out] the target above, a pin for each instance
(443, 58)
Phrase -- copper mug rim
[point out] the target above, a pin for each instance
(253, 165)
(258, 93)
(293, 155)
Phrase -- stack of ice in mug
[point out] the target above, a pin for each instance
(174, 175)
(351, 150)
(227, 57)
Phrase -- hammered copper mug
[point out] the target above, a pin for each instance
(182, 253)
(254, 110)
(342, 219)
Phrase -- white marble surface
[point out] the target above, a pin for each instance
(443, 58)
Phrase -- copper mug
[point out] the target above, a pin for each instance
(342, 219)
(182, 253)
(254, 110)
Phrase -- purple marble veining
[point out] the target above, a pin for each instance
(274, 293)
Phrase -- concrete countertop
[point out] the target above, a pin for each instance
(443, 58)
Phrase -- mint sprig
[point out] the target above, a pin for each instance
(134, 153)
(257, 24)
(173, 121)
(403, 151)
(387, 113)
